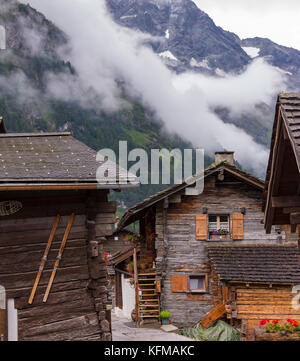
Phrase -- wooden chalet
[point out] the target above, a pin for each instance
(251, 283)
(282, 189)
(53, 220)
(177, 225)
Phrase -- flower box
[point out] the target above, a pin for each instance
(277, 336)
(276, 330)
(219, 237)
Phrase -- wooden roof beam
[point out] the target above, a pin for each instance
(286, 201)
(295, 218)
(277, 163)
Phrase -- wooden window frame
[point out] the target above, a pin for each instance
(205, 282)
(218, 223)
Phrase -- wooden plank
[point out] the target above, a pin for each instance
(59, 256)
(136, 287)
(295, 218)
(217, 312)
(21, 280)
(286, 201)
(56, 327)
(44, 259)
(3, 324)
(46, 187)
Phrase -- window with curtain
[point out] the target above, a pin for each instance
(218, 225)
(198, 283)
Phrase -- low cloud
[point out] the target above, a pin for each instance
(240, 93)
(105, 54)
(18, 87)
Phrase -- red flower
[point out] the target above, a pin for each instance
(289, 320)
(275, 322)
(295, 323)
(263, 322)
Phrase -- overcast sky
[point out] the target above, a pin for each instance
(274, 19)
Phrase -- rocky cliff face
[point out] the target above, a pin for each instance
(186, 37)
(287, 59)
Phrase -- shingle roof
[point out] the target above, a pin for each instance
(49, 157)
(290, 107)
(288, 104)
(256, 263)
(287, 109)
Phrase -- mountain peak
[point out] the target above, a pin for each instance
(185, 31)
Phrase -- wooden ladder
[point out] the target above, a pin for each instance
(148, 306)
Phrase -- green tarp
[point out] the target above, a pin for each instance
(220, 332)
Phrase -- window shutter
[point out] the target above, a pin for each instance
(179, 283)
(201, 227)
(158, 286)
(238, 226)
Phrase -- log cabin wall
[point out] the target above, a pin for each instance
(255, 303)
(185, 256)
(76, 306)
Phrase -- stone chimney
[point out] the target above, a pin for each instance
(224, 156)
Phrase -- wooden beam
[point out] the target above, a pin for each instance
(290, 210)
(286, 201)
(136, 287)
(276, 171)
(217, 312)
(126, 255)
(295, 218)
(47, 187)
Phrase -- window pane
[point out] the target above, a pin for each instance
(213, 226)
(212, 218)
(197, 283)
(223, 218)
(224, 225)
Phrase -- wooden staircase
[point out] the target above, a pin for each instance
(148, 306)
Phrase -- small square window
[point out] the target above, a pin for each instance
(218, 225)
(198, 283)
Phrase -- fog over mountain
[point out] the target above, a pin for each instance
(194, 76)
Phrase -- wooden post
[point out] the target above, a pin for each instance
(3, 324)
(136, 286)
(299, 242)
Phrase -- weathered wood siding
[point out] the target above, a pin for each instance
(256, 303)
(75, 309)
(185, 255)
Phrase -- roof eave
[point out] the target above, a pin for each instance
(125, 221)
(63, 186)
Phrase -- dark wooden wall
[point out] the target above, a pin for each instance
(75, 309)
(187, 256)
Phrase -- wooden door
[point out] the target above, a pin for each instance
(119, 297)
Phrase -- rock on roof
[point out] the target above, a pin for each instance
(49, 157)
(256, 263)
